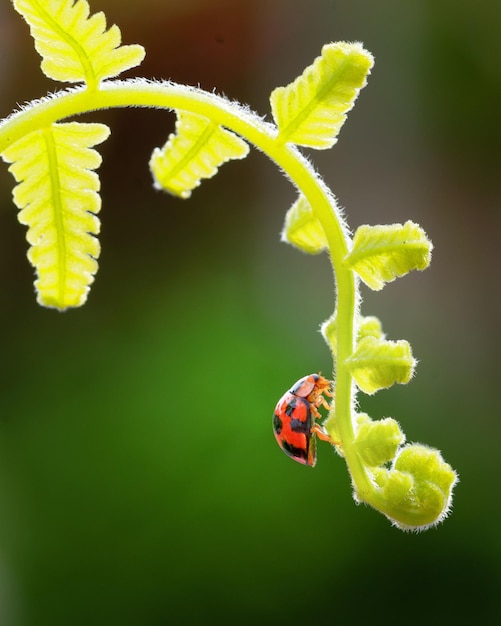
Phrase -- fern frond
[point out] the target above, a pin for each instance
(302, 229)
(75, 46)
(57, 194)
(311, 110)
(378, 364)
(196, 151)
(382, 253)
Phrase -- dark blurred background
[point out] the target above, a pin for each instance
(140, 483)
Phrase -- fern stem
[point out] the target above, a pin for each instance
(167, 95)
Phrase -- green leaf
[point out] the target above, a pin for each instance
(382, 253)
(196, 151)
(75, 47)
(418, 488)
(378, 364)
(369, 326)
(311, 110)
(377, 442)
(57, 193)
(302, 229)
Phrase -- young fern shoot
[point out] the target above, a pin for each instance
(54, 163)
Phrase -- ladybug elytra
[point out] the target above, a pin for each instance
(294, 423)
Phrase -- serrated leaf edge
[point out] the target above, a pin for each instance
(189, 157)
(367, 244)
(99, 51)
(58, 201)
(313, 86)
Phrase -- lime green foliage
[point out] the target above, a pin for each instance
(196, 151)
(377, 442)
(378, 364)
(75, 47)
(302, 229)
(369, 326)
(382, 253)
(418, 487)
(53, 163)
(311, 110)
(57, 195)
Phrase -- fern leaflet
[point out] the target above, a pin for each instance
(75, 47)
(196, 151)
(302, 229)
(378, 364)
(57, 194)
(311, 110)
(382, 253)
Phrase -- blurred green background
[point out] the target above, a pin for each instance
(140, 483)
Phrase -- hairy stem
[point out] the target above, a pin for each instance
(166, 95)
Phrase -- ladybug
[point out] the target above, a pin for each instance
(294, 418)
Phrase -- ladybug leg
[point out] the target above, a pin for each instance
(321, 434)
(320, 401)
(325, 404)
(314, 410)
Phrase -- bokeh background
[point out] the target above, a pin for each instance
(140, 483)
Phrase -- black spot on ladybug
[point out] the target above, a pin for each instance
(277, 424)
(298, 426)
(295, 453)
